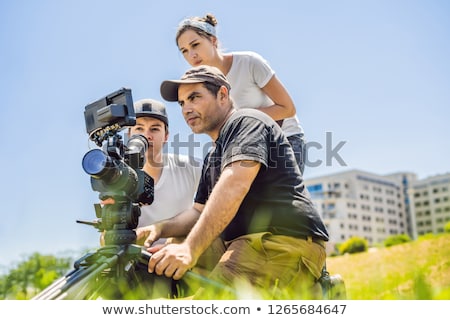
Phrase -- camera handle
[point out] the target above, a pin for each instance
(113, 272)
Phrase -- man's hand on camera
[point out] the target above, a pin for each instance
(173, 260)
(150, 233)
(107, 201)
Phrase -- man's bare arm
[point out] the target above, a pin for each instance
(222, 205)
(177, 226)
(181, 224)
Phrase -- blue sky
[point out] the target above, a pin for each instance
(374, 75)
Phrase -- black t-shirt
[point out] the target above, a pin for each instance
(277, 201)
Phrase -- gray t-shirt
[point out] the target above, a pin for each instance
(278, 200)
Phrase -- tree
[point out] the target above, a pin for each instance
(32, 276)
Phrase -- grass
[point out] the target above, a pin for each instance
(418, 270)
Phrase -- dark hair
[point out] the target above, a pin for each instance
(208, 18)
(211, 87)
(214, 89)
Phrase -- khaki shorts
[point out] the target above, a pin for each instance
(268, 266)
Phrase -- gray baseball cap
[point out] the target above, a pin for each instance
(199, 74)
(151, 108)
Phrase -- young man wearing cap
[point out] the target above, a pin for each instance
(251, 194)
(175, 176)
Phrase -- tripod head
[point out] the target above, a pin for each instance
(116, 169)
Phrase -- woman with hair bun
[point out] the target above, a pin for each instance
(254, 83)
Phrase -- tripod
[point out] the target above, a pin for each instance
(118, 272)
(96, 273)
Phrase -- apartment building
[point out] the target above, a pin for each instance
(405, 180)
(363, 204)
(431, 203)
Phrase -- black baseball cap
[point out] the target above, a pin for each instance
(199, 74)
(151, 108)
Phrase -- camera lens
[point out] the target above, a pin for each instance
(94, 162)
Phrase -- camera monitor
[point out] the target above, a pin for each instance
(111, 112)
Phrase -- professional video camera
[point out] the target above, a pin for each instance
(116, 173)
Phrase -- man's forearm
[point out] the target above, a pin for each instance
(222, 205)
(181, 224)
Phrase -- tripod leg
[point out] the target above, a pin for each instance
(80, 282)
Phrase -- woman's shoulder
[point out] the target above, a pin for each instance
(247, 55)
(251, 59)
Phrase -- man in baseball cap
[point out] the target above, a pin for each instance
(175, 175)
(169, 88)
(251, 195)
(207, 80)
(151, 108)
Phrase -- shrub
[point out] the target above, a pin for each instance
(447, 227)
(426, 236)
(396, 239)
(353, 245)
